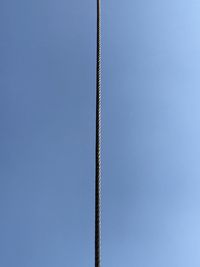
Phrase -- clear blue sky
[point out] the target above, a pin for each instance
(151, 133)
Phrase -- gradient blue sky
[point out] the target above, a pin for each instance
(151, 133)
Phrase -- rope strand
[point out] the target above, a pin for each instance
(98, 144)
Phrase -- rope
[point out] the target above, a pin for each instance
(98, 144)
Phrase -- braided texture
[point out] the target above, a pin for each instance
(98, 144)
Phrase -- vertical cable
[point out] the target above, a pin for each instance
(98, 144)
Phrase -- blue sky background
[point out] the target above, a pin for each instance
(151, 130)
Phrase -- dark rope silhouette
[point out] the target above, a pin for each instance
(98, 144)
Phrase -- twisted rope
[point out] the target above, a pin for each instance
(98, 144)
